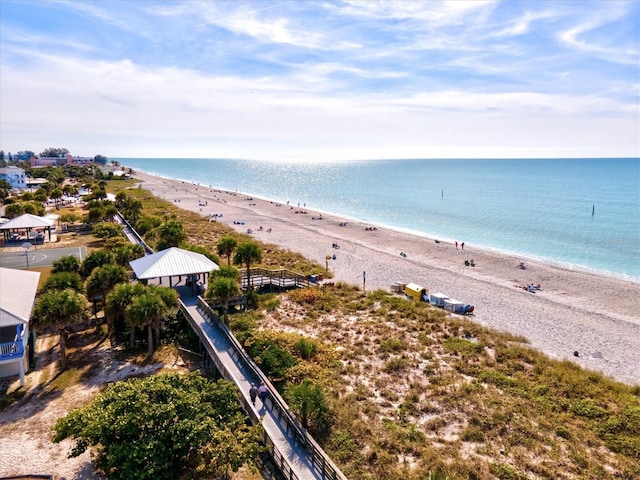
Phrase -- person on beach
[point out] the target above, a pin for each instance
(253, 393)
(462, 245)
(262, 393)
(456, 244)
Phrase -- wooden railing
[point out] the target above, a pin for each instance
(280, 278)
(318, 458)
(147, 249)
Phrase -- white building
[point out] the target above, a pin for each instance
(17, 294)
(14, 175)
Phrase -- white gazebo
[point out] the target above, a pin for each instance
(17, 294)
(174, 262)
(26, 222)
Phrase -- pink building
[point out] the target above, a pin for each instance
(56, 161)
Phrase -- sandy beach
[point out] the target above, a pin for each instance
(594, 315)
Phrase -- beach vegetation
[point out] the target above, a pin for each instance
(123, 253)
(62, 281)
(149, 309)
(106, 230)
(95, 259)
(146, 223)
(103, 279)
(221, 289)
(170, 234)
(307, 400)
(161, 427)
(406, 380)
(60, 309)
(247, 254)
(202, 250)
(226, 246)
(69, 263)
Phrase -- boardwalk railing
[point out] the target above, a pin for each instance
(138, 239)
(317, 456)
(282, 279)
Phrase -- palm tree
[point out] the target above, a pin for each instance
(70, 263)
(103, 279)
(307, 400)
(222, 289)
(170, 299)
(116, 305)
(226, 247)
(172, 234)
(60, 308)
(228, 272)
(131, 209)
(149, 308)
(56, 194)
(143, 311)
(64, 280)
(246, 254)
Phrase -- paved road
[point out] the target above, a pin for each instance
(39, 257)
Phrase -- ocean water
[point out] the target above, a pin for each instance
(578, 213)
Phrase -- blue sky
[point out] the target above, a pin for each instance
(321, 80)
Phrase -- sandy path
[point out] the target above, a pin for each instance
(596, 315)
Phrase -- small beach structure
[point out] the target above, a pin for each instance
(454, 306)
(437, 299)
(416, 292)
(174, 262)
(26, 223)
(17, 294)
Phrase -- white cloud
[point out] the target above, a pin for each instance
(328, 80)
(583, 37)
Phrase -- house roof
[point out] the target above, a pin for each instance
(17, 293)
(27, 221)
(171, 262)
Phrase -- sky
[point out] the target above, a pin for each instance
(313, 80)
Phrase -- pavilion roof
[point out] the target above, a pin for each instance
(171, 262)
(27, 221)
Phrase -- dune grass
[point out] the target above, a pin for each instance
(416, 392)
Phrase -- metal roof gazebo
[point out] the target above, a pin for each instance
(173, 262)
(26, 222)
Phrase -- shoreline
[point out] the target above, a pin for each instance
(574, 311)
(564, 265)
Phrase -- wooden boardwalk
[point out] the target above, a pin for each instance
(274, 279)
(293, 450)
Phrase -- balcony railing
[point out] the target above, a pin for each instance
(11, 350)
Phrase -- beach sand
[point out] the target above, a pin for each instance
(595, 315)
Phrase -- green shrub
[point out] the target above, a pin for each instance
(391, 345)
(306, 349)
(462, 345)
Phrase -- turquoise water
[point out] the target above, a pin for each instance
(532, 208)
